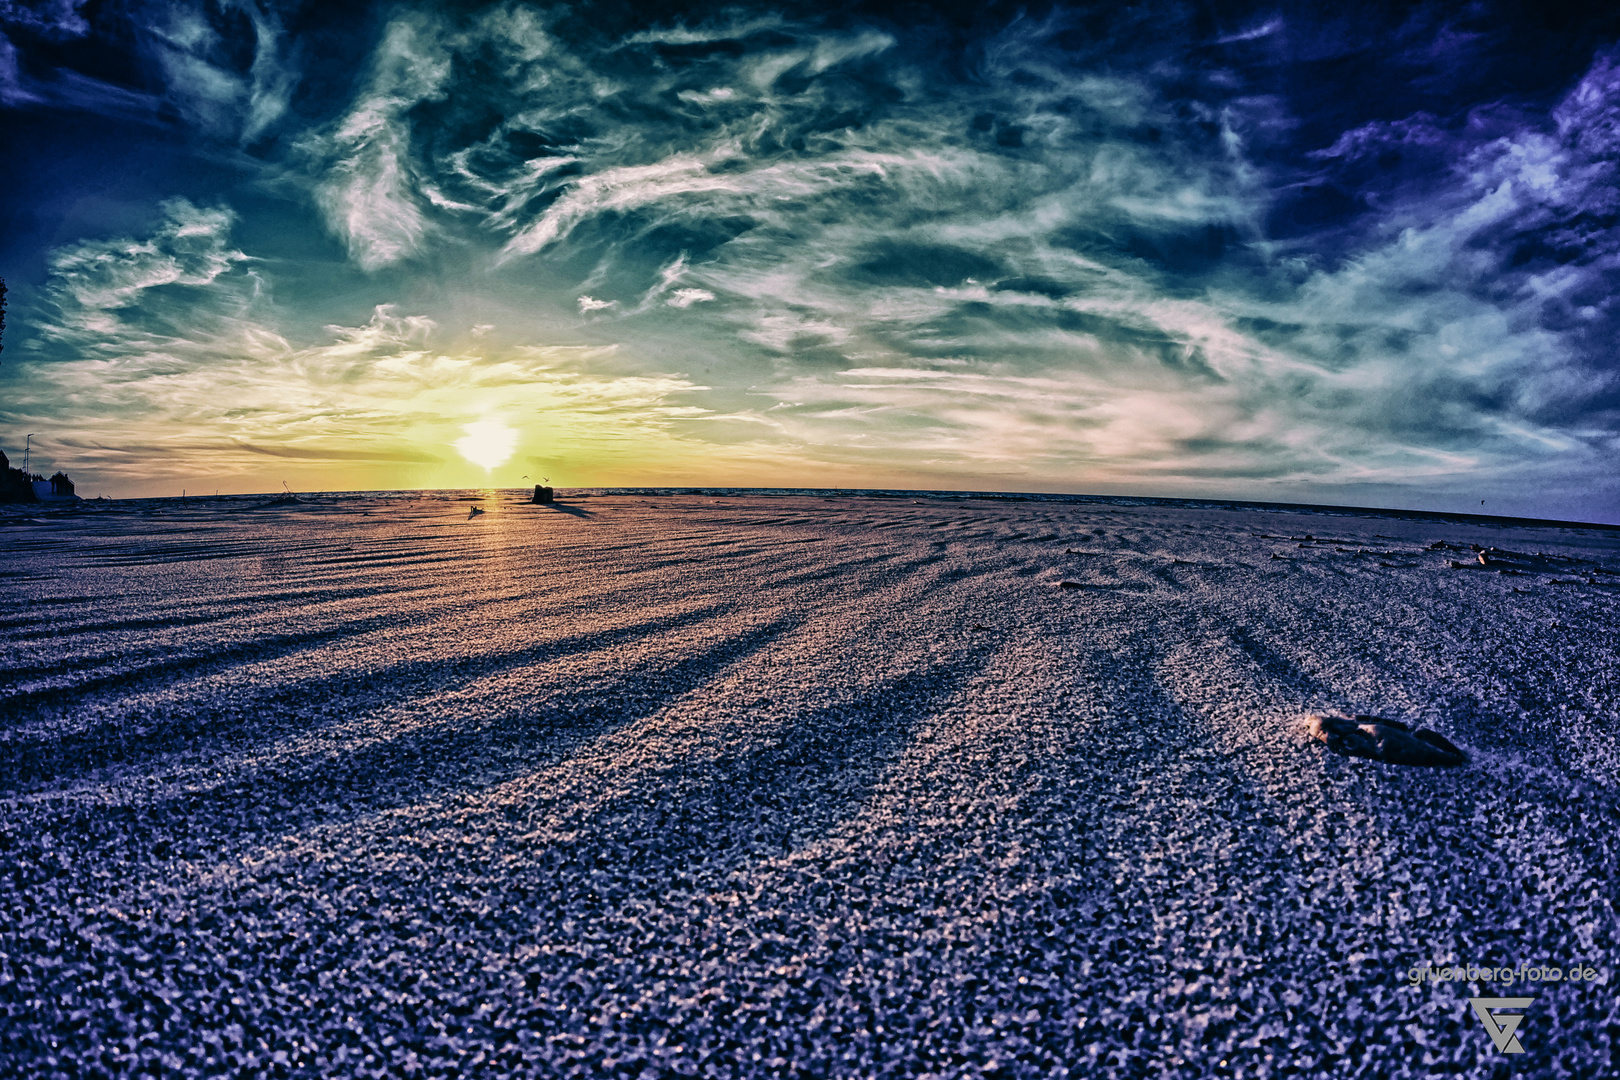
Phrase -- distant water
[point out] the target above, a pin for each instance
(327, 498)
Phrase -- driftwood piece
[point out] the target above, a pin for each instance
(1385, 740)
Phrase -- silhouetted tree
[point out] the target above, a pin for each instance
(14, 485)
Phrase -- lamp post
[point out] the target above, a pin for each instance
(26, 448)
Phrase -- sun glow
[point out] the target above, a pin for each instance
(488, 443)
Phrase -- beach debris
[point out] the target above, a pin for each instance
(1382, 739)
(1067, 584)
(474, 512)
(1519, 563)
(288, 499)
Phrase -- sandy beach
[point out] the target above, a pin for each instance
(640, 785)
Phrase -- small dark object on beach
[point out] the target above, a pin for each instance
(542, 494)
(474, 512)
(1066, 584)
(287, 499)
(1389, 741)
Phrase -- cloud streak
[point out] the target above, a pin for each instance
(164, 347)
(369, 190)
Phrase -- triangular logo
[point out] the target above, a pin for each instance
(1502, 1028)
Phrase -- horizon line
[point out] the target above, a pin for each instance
(1462, 517)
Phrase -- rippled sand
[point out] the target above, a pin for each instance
(794, 786)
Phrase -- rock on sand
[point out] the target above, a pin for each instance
(1384, 740)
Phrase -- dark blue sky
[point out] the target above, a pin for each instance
(1335, 253)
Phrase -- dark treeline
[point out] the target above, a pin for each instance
(15, 485)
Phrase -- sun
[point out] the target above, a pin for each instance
(488, 443)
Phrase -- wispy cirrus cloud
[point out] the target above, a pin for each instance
(1142, 249)
(227, 68)
(105, 295)
(158, 358)
(370, 185)
(205, 78)
(59, 18)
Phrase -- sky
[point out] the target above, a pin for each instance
(1351, 254)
